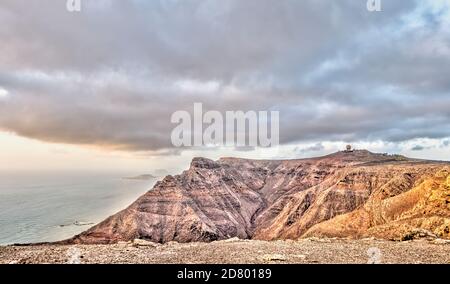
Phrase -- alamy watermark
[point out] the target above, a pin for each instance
(73, 5)
(73, 256)
(237, 128)
(375, 255)
(374, 6)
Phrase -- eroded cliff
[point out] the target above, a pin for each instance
(346, 194)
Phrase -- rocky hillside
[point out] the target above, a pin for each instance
(352, 194)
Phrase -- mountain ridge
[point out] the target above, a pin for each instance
(345, 194)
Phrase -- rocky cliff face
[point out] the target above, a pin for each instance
(346, 194)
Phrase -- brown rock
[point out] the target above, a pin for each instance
(353, 194)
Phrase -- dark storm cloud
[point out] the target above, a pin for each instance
(113, 74)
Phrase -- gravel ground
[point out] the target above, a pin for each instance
(236, 251)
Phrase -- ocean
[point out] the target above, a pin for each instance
(45, 207)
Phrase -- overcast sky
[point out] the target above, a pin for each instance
(110, 76)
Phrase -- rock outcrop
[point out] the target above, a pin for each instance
(347, 194)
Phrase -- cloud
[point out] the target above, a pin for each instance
(3, 93)
(113, 74)
(418, 148)
(314, 148)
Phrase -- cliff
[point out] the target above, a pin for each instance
(346, 194)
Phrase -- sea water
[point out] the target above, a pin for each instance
(44, 207)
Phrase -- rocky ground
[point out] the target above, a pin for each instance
(235, 251)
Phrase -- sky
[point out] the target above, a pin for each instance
(95, 89)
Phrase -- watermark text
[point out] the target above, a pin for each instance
(237, 128)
